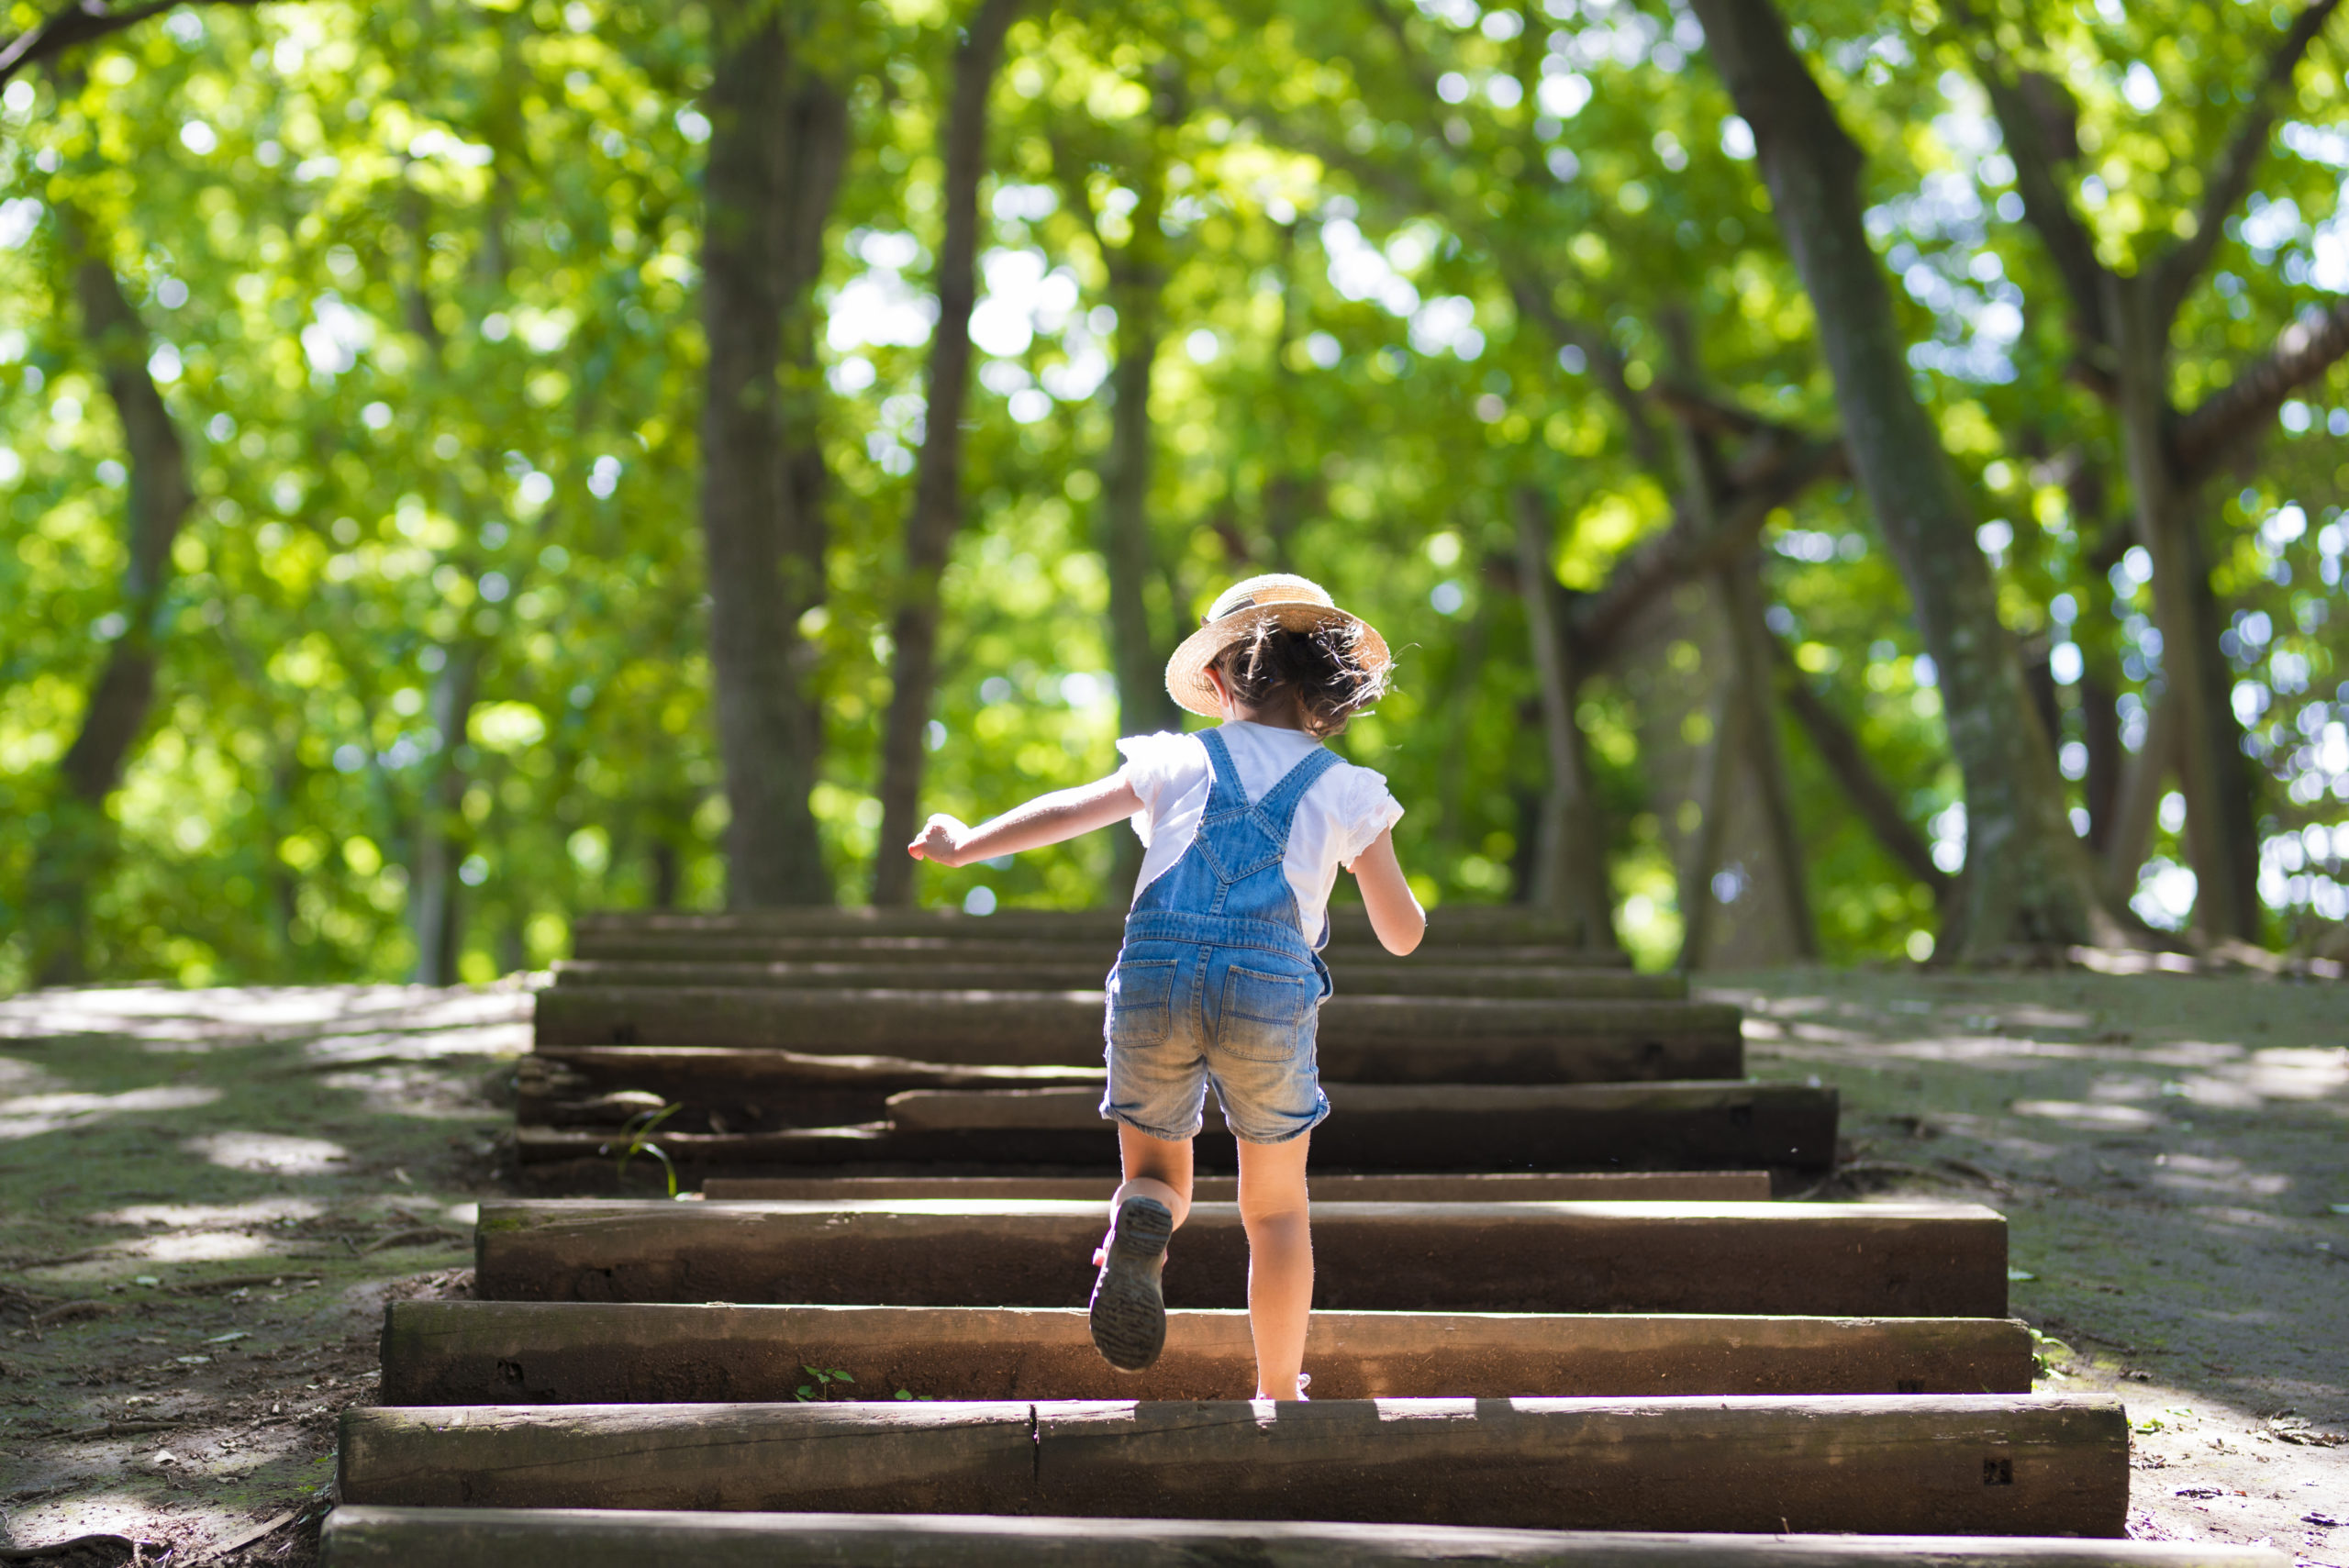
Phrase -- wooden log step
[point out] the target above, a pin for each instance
(1028, 971)
(1717, 1125)
(1455, 925)
(1375, 1128)
(1363, 1040)
(1970, 1464)
(568, 1352)
(580, 1538)
(1887, 1260)
(728, 1090)
(1514, 1186)
(1359, 965)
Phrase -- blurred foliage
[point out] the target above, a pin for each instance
(421, 280)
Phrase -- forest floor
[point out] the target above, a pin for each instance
(209, 1195)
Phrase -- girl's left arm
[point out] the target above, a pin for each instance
(1047, 819)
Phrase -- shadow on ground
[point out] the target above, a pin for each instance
(210, 1195)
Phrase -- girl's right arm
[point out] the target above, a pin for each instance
(1047, 819)
(1394, 913)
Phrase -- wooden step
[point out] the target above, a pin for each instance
(568, 1352)
(723, 1089)
(1514, 1186)
(580, 1538)
(1717, 1125)
(1455, 925)
(1890, 1260)
(1363, 1040)
(1360, 965)
(1028, 971)
(1974, 1464)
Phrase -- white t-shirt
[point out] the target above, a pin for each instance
(1341, 816)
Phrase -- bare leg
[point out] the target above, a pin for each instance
(1155, 1168)
(1280, 1259)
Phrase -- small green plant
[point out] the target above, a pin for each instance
(821, 1391)
(910, 1393)
(638, 1129)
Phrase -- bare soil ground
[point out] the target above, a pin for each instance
(208, 1197)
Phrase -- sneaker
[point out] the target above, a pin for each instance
(1129, 1315)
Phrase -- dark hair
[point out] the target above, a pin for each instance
(1318, 668)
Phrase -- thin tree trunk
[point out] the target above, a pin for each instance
(1710, 792)
(1741, 589)
(79, 837)
(2139, 803)
(2101, 732)
(441, 838)
(1839, 746)
(937, 514)
(2030, 884)
(778, 137)
(1570, 875)
(2197, 686)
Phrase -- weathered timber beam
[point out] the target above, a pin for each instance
(1363, 1038)
(1360, 966)
(516, 1538)
(1473, 925)
(1708, 1124)
(1512, 1186)
(1050, 972)
(512, 1352)
(1979, 1465)
(1903, 1260)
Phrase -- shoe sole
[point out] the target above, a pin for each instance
(1129, 1312)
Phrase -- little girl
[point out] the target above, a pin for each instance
(1221, 980)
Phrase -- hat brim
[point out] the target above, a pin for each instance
(1187, 672)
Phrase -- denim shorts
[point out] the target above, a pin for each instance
(1184, 1015)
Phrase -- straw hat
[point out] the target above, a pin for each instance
(1296, 603)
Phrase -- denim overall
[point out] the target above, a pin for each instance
(1216, 981)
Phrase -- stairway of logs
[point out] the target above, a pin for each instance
(1557, 1319)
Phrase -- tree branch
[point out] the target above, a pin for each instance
(2230, 180)
(1839, 746)
(1605, 360)
(2024, 107)
(1688, 548)
(2303, 351)
(79, 22)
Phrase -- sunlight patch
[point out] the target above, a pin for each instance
(267, 1151)
(2076, 1113)
(181, 1216)
(29, 1116)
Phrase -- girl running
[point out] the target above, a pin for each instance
(1221, 980)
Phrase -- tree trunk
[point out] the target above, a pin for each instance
(936, 512)
(1709, 792)
(74, 848)
(2138, 802)
(1570, 875)
(2030, 884)
(2222, 839)
(441, 838)
(1756, 648)
(778, 136)
(1135, 641)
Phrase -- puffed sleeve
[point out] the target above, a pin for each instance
(1150, 762)
(1366, 811)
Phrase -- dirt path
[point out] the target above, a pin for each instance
(210, 1195)
(2172, 1154)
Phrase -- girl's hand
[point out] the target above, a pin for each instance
(940, 839)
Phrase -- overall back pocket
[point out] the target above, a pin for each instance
(1266, 1017)
(1141, 1001)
